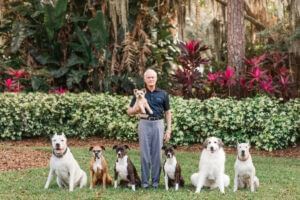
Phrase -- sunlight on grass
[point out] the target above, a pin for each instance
(279, 179)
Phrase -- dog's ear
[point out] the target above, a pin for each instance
(91, 148)
(221, 144)
(126, 146)
(102, 147)
(134, 91)
(144, 90)
(115, 146)
(175, 146)
(164, 147)
(249, 145)
(205, 143)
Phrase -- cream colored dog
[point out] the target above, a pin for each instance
(244, 169)
(211, 167)
(64, 166)
(141, 101)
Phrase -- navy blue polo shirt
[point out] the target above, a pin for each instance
(158, 101)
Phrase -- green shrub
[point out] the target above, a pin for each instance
(267, 123)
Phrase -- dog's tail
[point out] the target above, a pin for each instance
(108, 180)
(181, 182)
(226, 180)
(83, 180)
(194, 179)
(256, 182)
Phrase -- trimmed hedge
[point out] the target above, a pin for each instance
(267, 123)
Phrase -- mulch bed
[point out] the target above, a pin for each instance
(17, 155)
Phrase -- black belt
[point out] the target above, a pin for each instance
(152, 118)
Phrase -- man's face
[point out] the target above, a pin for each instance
(150, 78)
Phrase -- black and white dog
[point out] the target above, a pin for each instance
(125, 171)
(172, 169)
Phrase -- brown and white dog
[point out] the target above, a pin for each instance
(125, 171)
(99, 168)
(244, 169)
(172, 169)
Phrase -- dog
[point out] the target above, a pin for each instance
(172, 169)
(141, 101)
(99, 168)
(125, 171)
(211, 167)
(64, 166)
(244, 169)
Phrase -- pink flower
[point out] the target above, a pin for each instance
(192, 46)
(8, 83)
(267, 85)
(257, 73)
(229, 72)
(213, 76)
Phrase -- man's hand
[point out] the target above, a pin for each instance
(167, 135)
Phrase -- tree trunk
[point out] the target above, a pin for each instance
(236, 34)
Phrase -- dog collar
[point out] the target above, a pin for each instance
(59, 155)
(243, 159)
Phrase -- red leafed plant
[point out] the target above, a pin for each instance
(12, 85)
(59, 90)
(18, 73)
(190, 59)
(12, 82)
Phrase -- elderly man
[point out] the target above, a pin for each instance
(151, 129)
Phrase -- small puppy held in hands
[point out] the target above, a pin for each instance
(125, 171)
(244, 169)
(211, 167)
(64, 166)
(141, 102)
(172, 169)
(99, 168)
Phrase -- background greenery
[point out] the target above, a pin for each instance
(267, 123)
(278, 180)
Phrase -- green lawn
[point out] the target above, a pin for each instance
(279, 179)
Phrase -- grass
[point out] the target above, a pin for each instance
(279, 179)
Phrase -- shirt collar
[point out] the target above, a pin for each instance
(155, 90)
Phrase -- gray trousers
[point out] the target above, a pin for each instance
(151, 141)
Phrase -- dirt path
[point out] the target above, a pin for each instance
(16, 155)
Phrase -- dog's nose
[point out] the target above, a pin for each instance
(211, 148)
(57, 144)
(243, 152)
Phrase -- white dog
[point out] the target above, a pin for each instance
(211, 166)
(64, 166)
(244, 169)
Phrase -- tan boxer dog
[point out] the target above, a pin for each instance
(99, 168)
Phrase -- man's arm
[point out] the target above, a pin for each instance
(168, 116)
